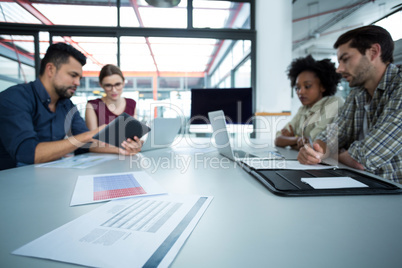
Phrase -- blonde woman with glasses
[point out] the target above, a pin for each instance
(103, 110)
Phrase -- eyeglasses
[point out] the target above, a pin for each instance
(117, 86)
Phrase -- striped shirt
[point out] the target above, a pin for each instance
(380, 151)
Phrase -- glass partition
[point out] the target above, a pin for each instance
(17, 63)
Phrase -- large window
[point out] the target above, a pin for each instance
(234, 67)
(17, 65)
(163, 52)
(221, 14)
(140, 14)
(393, 25)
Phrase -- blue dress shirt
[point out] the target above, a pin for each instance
(25, 121)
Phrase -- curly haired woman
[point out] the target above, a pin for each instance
(315, 83)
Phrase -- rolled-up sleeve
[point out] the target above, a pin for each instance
(293, 122)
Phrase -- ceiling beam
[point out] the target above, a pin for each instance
(332, 11)
(347, 10)
(137, 13)
(27, 5)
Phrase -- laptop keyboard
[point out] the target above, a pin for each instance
(243, 154)
(263, 155)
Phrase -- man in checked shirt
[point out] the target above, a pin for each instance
(367, 133)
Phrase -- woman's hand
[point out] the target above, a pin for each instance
(288, 133)
(131, 146)
(301, 142)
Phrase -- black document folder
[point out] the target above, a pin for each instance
(286, 182)
(121, 128)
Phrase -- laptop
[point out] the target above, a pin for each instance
(162, 134)
(222, 141)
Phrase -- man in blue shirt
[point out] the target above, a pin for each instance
(36, 117)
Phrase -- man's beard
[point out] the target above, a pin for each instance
(63, 92)
(363, 71)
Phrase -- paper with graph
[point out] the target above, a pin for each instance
(104, 187)
(133, 232)
(81, 161)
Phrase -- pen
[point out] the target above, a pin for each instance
(311, 142)
(317, 156)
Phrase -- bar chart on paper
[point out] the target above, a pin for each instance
(115, 186)
(104, 187)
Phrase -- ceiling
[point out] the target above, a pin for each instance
(316, 25)
(138, 54)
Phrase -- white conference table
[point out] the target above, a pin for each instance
(244, 226)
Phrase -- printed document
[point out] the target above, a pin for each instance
(134, 232)
(258, 163)
(333, 182)
(80, 161)
(104, 187)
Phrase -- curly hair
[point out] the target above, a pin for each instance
(324, 69)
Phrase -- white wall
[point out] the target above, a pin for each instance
(274, 54)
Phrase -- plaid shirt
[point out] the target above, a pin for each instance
(380, 152)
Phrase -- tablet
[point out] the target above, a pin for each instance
(120, 129)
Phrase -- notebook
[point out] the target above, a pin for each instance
(162, 134)
(312, 182)
(222, 141)
(121, 128)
